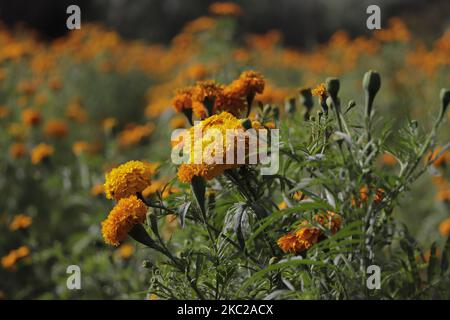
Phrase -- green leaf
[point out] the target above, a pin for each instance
(240, 212)
(198, 186)
(182, 211)
(433, 263)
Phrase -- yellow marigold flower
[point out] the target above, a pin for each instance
(20, 221)
(125, 251)
(123, 217)
(225, 9)
(128, 179)
(40, 152)
(320, 91)
(221, 122)
(135, 134)
(97, 189)
(17, 150)
(444, 228)
(31, 117)
(183, 99)
(56, 128)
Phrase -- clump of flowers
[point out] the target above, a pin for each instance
(306, 234)
(128, 179)
(127, 213)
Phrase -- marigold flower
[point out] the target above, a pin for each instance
(249, 83)
(10, 260)
(123, 217)
(20, 221)
(225, 9)
(183, 99)
(97, 189)
(17, 150)
(40, 152)
(4, 112)
(364, 196)
(444, 228)
(76, 112)
(81, 146)
(440, 161)
(207, 92)
(31, 117)
(320, 91)
(125, 251)
(135, 134)
(307, 235)
(388, 159)
(443, 194)
(56, 128)
(128, 179)
(109, 123)
(221, 122)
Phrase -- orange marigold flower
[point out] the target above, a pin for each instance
(307, 235)
(20, 221)
(207, 90)
(249, 83)
(444, 228)
(17, 150)
(320, 91)
(81, 146)
(439, 160)
(123, 217)
(4, 112)
(31, 117)
(225, 9)
(443, 195)
(97, 189)
(128, 179)
(125, 251)
(9, 261)
(135, 134)
(76, 112)
(183, 99)
(388, 159)
(56, 128)
(109, 123)
(364, 196)
(40, 152)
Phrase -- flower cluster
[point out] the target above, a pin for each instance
(307, 234)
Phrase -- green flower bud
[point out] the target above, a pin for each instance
(371, 82)
(306, 98)
(445, 100)
(290, 105)
(333, 86)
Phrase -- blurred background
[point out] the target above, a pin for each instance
(302, 22)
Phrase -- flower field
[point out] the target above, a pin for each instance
(87, 177)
